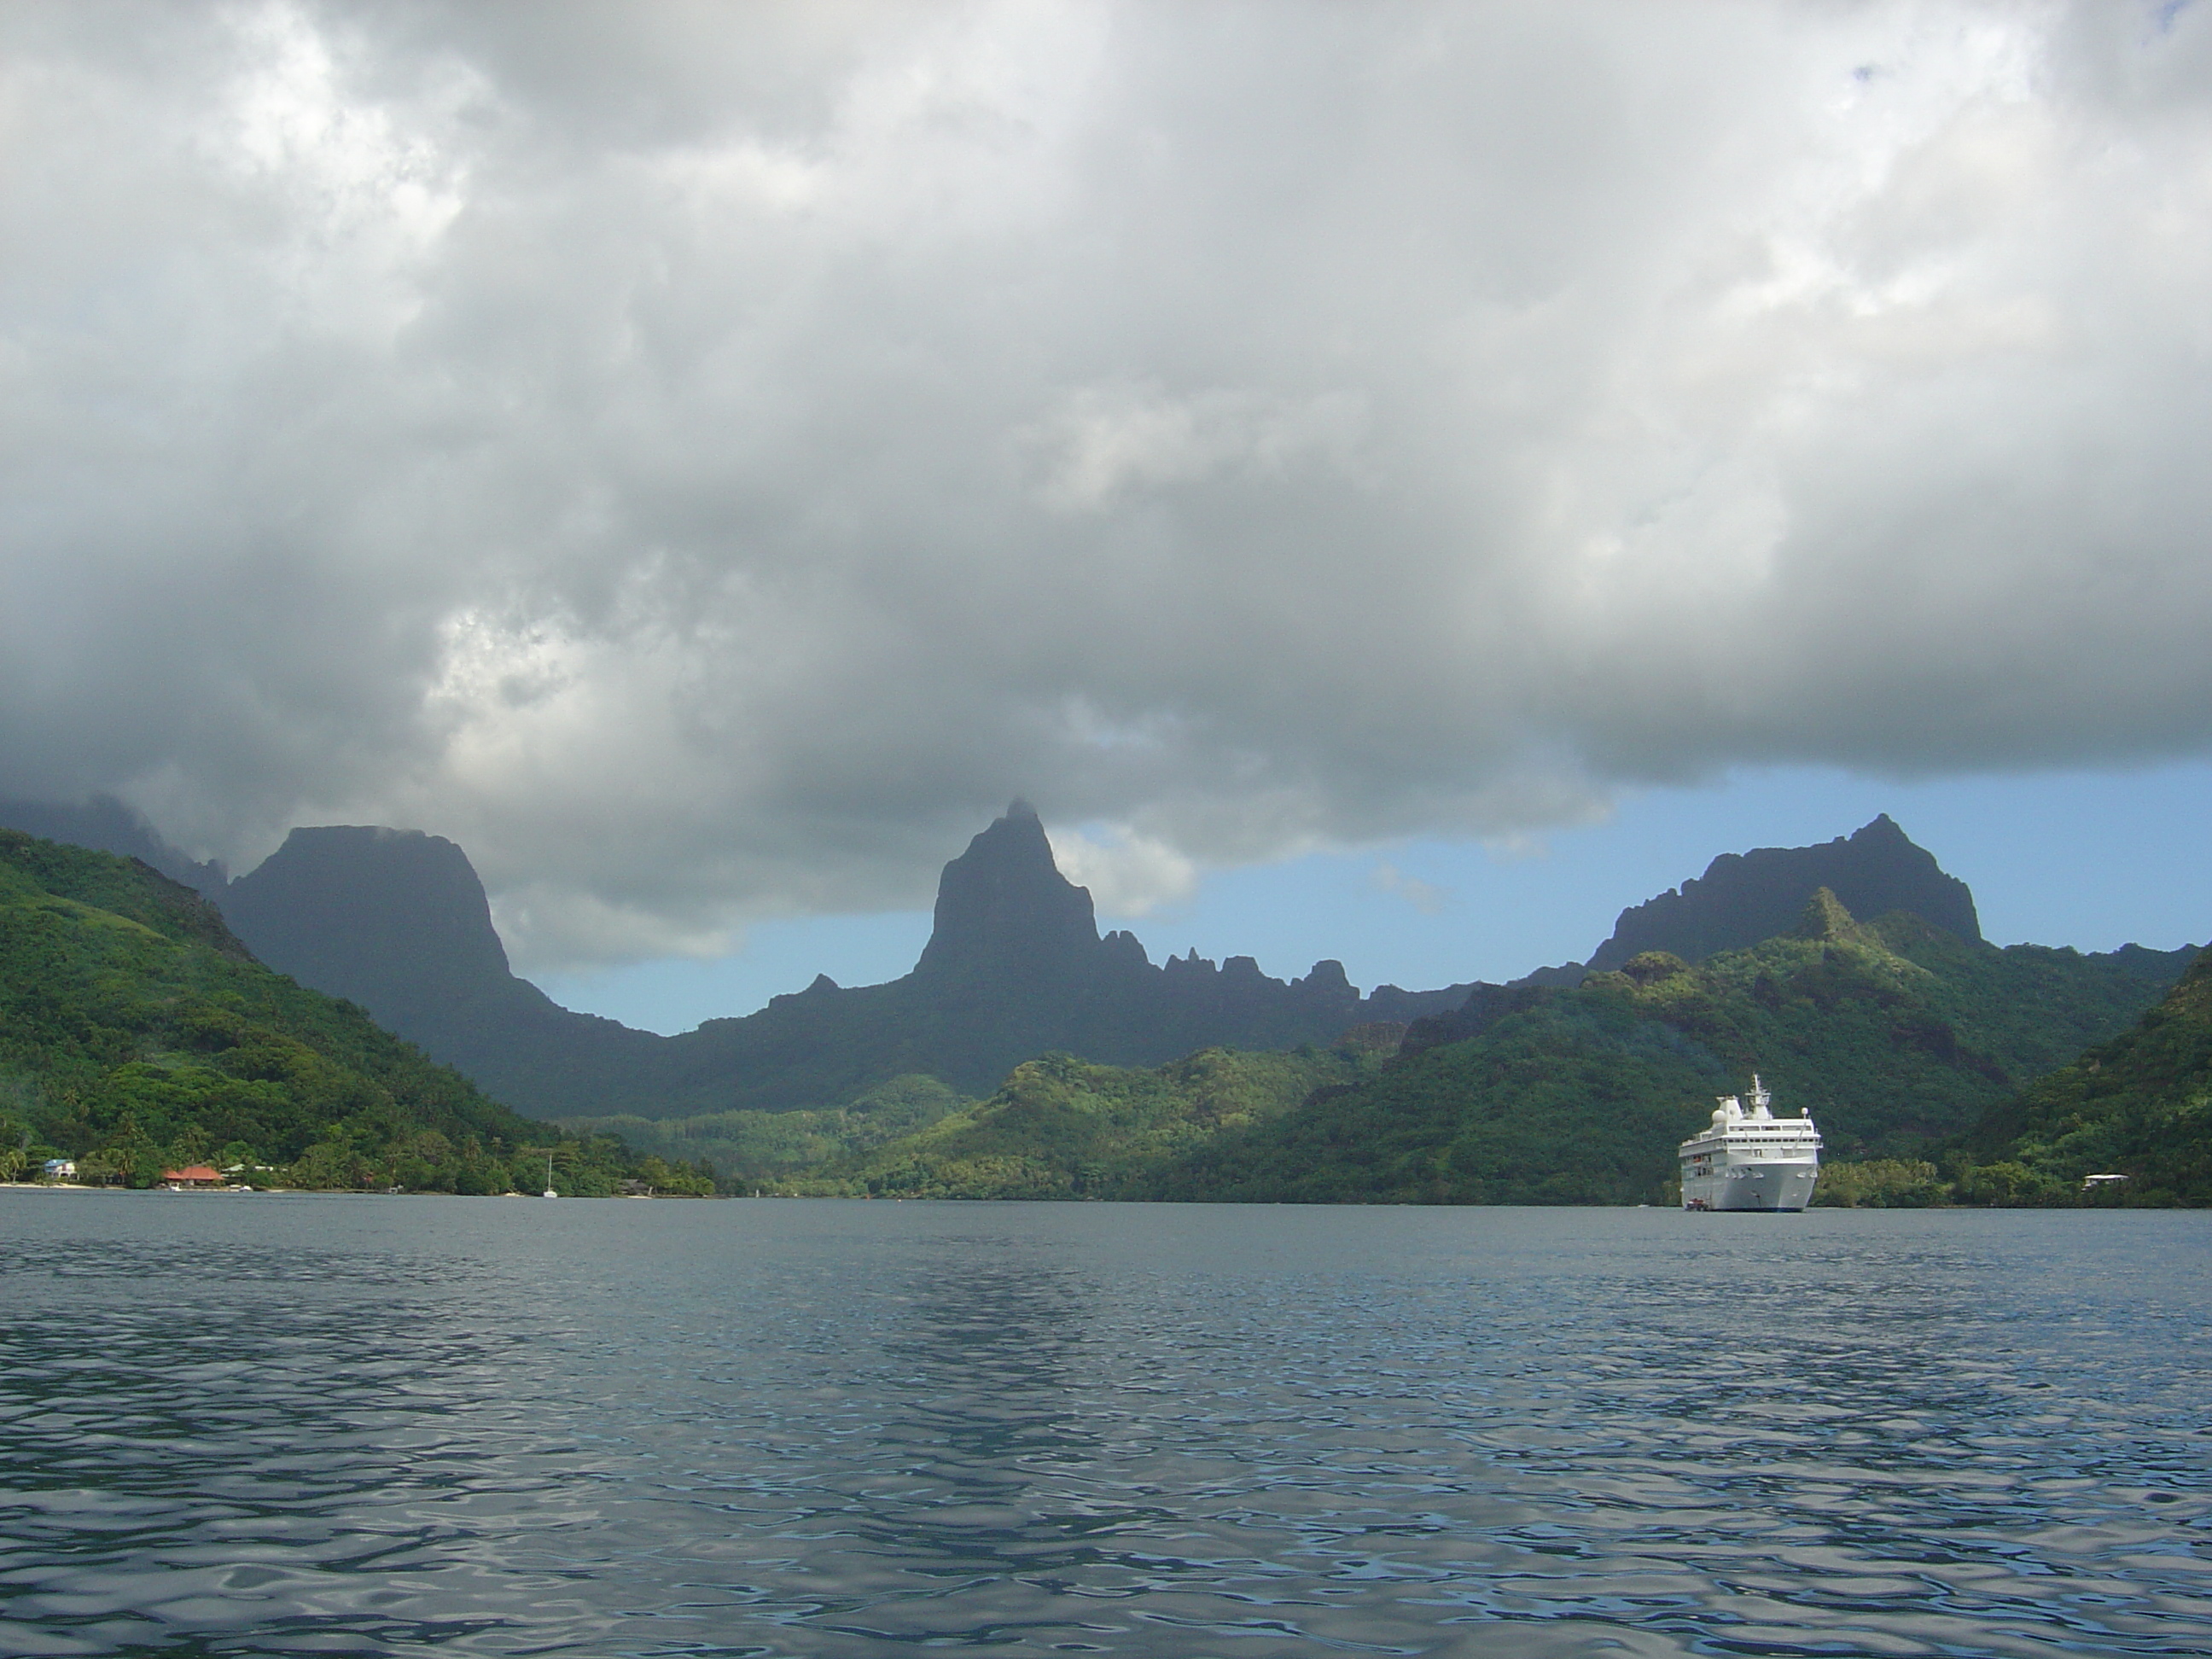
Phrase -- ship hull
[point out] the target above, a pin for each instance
(1773, 1188)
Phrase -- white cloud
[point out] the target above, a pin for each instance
(705, 459)
(1424, 896)
(1129, 874)
(1106, 443)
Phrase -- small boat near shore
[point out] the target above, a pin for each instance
(1749, 1160)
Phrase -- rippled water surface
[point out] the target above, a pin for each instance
(255, 1424)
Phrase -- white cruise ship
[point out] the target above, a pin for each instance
(1751, 1160)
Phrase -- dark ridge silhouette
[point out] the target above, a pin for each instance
(122, 1038)
(105, 825)
(1003, 910)
(1743, 898)
(372, 915)
(1015, 967)
(397, 920)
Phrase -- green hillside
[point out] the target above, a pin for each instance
(1062, 1127)
(136, 1034)
(751, 1149)
(2140, 1105)
(1575, 1099)
(1897, 1035)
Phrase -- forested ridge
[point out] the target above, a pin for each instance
(1901, 1038)
(2139, 1105)
(1064, 1127)
(136, 1035)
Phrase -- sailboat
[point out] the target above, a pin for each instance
(549, 1192)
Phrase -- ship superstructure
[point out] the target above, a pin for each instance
(1750, 1159)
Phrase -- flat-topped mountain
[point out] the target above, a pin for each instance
(1015, 967)
(397, 920)
(390, 917)
(1745, 898)
(137, 1033)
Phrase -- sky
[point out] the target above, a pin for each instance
(1408, 473)
(2093, 860)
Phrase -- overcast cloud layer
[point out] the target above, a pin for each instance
(705, 458)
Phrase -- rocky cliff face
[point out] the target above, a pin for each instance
(1743, 898)
(1005, 912)
(397, 921)
(387, 917)
(1015, 967)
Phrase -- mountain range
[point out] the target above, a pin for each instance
(1909, 1037)
(136, 1031)
(1900, 1037)
(1015, 967)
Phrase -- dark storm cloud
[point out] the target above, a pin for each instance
(704, 458)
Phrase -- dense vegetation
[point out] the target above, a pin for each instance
(1897, 1035)
(137, 1035)
(2139, 1105)
(1062, 1127)
(1572, 1100)
(751, 1150)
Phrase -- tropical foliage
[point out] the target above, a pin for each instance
(1062, 1127)
(752, 1149)
(1882, 1183)
(138, 1036)
(2138, 1106)
(1898, 1037)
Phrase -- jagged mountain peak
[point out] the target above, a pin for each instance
(1003, 908)
(1745, 898)
(397, 920)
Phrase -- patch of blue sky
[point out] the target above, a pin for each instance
(679, 992)
(2091, 860)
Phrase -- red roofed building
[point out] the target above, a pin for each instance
(193, 1174)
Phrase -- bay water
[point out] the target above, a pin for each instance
(278, 1423)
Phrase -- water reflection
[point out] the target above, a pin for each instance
(389, 1426)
